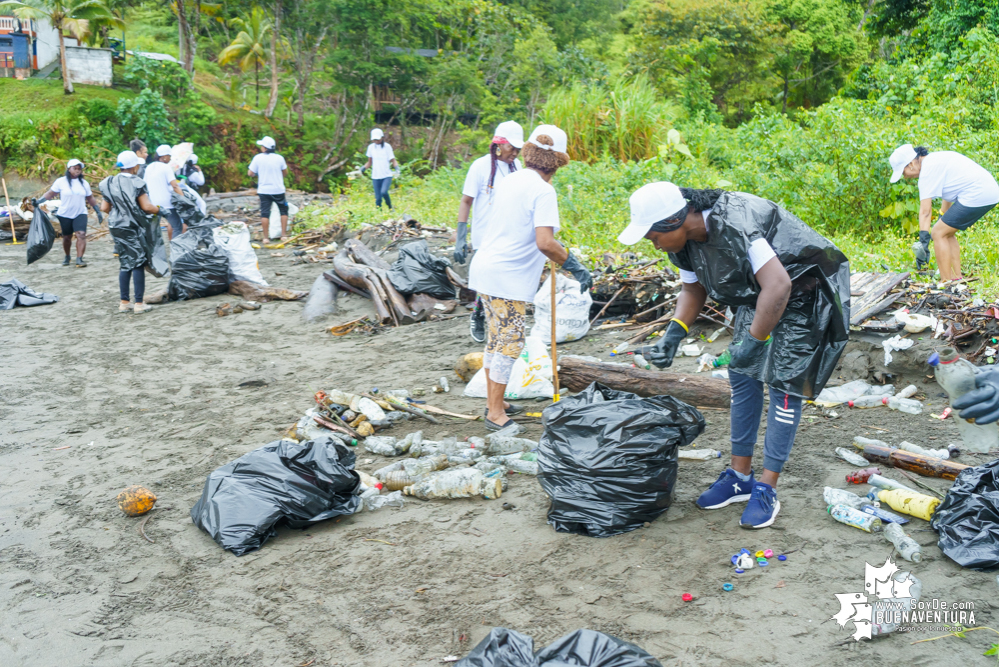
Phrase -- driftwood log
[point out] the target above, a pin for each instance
(254, 292)
(577, 374)
(362, 278)
(930, 466)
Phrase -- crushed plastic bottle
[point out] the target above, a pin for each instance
(887, 614)
(918, 505)
(860, 442)
(840, 497)
(383, 445)
(504, 442)
(833, 396)
(393, 499)
(371, 409)
(916, 449)
(851, 457)
(907, 405)
(908, 392)
(861, 476)
(705, 362)
(866, 402)
(458, 483)
(888, 484)
(957, 377)
(907, 547)
(706, 454)
(854, 517)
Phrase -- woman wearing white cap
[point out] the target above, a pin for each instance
(191, 173)
(160, 184)
(968, 192)
(507, 267)
(791, 288)
(74, 194)
(270, 169)
(134, 234)
(477, 197)
(381, 159)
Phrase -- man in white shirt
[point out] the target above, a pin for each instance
(161, 183)
(381, 159)
(270, 169)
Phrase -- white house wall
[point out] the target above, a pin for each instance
(48, 43)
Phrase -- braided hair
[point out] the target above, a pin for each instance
(921, 151)
(494, 157)
(697, 201)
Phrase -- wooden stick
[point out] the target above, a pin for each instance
(440, 411)
(336, 427)
(607, 305)
(10, 213)
(405, 408)
(556, 397)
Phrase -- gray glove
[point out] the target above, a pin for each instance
(579, 272)
(981, 404)
(461, 244)
(921, 249)
(661, 354)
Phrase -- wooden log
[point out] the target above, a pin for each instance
(577, 374)
(930, 466)
(363, 255)
(254, 292)
(360, 277)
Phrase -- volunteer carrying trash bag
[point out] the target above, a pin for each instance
(791, 289)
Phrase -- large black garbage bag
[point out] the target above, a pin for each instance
(138, 239)
(813, 331)
(186, 206)
(15, 293)
(607, 459)
(416, 271)
(967, 521)
(582, 648)
(199, 267)
(41, 235)
(285, 481)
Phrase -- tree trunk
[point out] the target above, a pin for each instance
(67, 85)
(184, 28)
(256, 75)
(784, 110)
(272, 102)
(577, 374)
(929, 466)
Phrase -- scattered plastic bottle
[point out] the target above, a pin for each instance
(458, 483)
(957, 377)
(505, 442)
(698, 454)
(620, 349)
(640, 362)
(393, 499)
(397, 480)
(443, 384)
(914, 504)
(867, 402)
(916, 449)
(908, 392)
(892, 606)
(383, 445)
(907, 405)
(368, 480)
(425, 464)
(860, 442)
(852, 458)
(888, 484)
(853, 517)
(522, 466)
(840, 497)
(883, 514)
(906, 546)
(861, 476)
(723, 359)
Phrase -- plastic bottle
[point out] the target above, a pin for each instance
(888, 484)
(907, 405)
(425, 464)
(861, 476)
(458, 483)
(723, 359)
(620, 349)
(383, 445)
(368, 480)
(466, 455)
(908, 392)
(854, 517)
(397, 480)
(504, 442)
(914, 504)
(443, 384)
(698, 454)
(522, 466)
(640, 362)
(840, 497)
(866, 402)
(957, 377)
(883, 514)
(916, 449)
(895, 607)
(393, 499)
(851, 457)
(860, 442)
(906, 546)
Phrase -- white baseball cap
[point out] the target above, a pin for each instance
(377, 133)
(164, 149)
(267, 143)
(900, 159)
(73, 163)
(512, 132)
(127, 160)
(192, 158)
(650, 204)
(557, 135)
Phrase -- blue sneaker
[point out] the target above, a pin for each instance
(762, 508)
(727, 489)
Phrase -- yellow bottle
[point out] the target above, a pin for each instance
(909, 502)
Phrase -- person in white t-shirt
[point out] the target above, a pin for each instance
(477, 197)
(191, 173)
(161, 184)
(270, 169)
(74, 194)
(968, 192)
(381, 159)
(507, 267)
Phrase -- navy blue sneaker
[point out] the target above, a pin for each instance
(762, 508)
(727, 489)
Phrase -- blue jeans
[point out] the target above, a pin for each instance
(173, 218)
(382, 186)
(783, 418)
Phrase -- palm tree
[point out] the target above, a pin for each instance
(248, 47)
(66, 16)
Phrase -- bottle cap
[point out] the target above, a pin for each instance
(687, 597)
(762, 562)
(727, 587)
(735, 558)
(739, 570)
(884, 401)
(768, 553)
(782, 557)
(850, 403)
(934, 359)
(759, 555)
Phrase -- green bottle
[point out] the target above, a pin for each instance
(722, 359)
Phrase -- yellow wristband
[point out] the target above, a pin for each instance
(685, 327)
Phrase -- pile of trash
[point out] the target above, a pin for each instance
(582, 648)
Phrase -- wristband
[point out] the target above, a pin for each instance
(685, 327)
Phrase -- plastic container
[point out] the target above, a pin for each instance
(861, 476)
(893, 608)
(888, 484)
(907, 405)
(620, 349)
(840, 497)
(916, 449)
(908, 392)
(851, 457)
(883, 514)
(393, 499)
(640, 362)
(957, 377)
(853, 517)
(914, 504)
(866, 402)
(458, 483)
(860, 442)
(907, 547)
(698, 454)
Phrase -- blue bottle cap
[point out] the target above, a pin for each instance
(762, 562)
(374, 390)
(735, 558)
(744, 551)
(782, 557)
(934, 359)
(739, 570)
(727, 587)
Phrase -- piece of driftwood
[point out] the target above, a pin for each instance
(362, 278)
(379, 268)
(343, 284)
(577, 374)
(873, 287)
(930, 466)
(254, 292)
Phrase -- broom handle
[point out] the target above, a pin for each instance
(10, 213)
(555, 398)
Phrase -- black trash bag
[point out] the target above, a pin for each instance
(813, 331)
(607, 459)
(416, 271)
(186, 206)
(207, 222)
(138, 239)
(582, 648)
(967, 521)
(199, 267)
(283, 482)
(41, 235)
(15, 293)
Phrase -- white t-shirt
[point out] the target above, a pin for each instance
(72, 197)
(158, 177)
(269, 167)
(760, 252)
(381, 160)
(196, 178)
(509, 264)
(956, 178)
(477, 187)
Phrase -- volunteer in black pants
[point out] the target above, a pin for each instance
(791, 289)
(74, 195)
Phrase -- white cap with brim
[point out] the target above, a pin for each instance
(557, 135)
(900, 159)
(650, 204)
(127, 160)
(73, 163)
(512, 132)
(267, 142)
(377, 134)
(192, 158)
(164, 150)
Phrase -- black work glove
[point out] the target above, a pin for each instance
(579, 272)
(921, 249)
(34, 203)
(100, 216)
(746, 351)
(981, 404)
(661, 354)
(461, 244)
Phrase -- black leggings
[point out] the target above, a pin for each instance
(138, 277)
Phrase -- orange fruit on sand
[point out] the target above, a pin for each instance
(136, 500)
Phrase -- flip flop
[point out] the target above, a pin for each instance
(493, 426)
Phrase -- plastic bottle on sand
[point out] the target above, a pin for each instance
(914, 504)
(907, 547)
(383, 445)
(620, 349)
(368, 480)
(916, 449)
(393, 499)
(883, 514)
(698, 454)
(850, 457)
(425, 464)
(840, 497)
(860, 442)
(866, 402)
(397, 480)
(861, 476)
(908, 392)
(908, 405)
(957, 377)
(893, 608)
(853, 517)
(459, 483)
